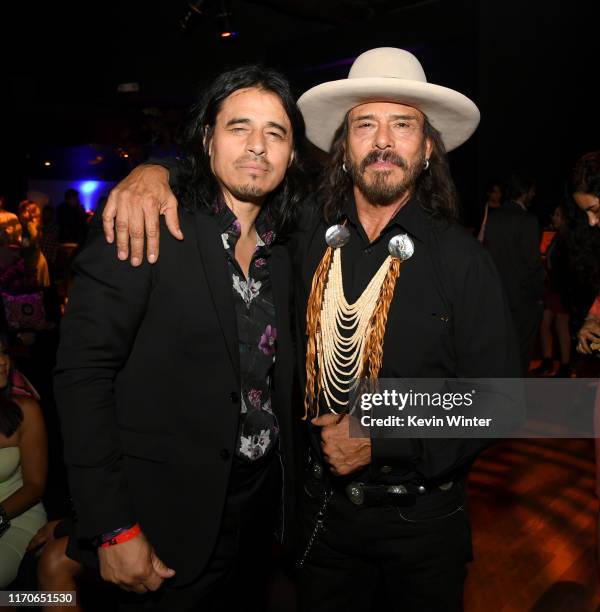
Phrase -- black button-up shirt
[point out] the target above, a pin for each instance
(448, 317)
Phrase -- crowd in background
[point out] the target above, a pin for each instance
(548, 255)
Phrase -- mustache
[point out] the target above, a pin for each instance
(254, 160)
(385, 156)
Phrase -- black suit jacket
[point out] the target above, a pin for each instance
(512, 236)
(147, 384)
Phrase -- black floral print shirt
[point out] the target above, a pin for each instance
(257, 336)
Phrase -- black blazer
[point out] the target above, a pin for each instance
(512, 236)
(147, 384)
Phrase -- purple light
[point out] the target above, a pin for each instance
(348, 61)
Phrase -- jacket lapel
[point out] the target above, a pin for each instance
(214, 262)
(279, 271)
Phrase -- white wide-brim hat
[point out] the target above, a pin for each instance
(387, 75)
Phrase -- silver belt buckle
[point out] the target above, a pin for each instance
(397, 489)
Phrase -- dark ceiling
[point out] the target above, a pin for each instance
(520, 61)
(64, 60)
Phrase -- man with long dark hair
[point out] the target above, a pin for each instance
(173, 381)
(382, 517)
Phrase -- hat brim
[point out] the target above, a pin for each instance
(324, 107)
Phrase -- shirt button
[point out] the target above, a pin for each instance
(368, 250)
(386, 469)
(225, 454)
(234, 397)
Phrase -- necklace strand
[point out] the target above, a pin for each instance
(340, 357)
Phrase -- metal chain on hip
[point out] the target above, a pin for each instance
(320, 520)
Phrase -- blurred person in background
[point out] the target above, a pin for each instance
(512, 237)
(493, 200)
(11, 228)
(72, 218)
(49, 241)
(56, 571)
(23, 467)
(12, 266)
(30, 216)
(585, 189)
(585, 245)
(556, 312)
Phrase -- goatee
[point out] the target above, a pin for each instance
(248, 193)
(380, 191)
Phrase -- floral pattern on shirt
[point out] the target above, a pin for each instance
(268, 340)
(248, 290)
(257, 336)
(255, 446)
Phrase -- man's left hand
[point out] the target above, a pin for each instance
(343, 453)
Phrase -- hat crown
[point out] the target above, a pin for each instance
(387, 62)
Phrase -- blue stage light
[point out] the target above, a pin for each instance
(89, 186)
(88, 191)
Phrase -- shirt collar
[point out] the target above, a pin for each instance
(229, 224)
(411, 218)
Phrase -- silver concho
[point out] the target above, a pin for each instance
(401, 247)
(355, 493)
(337, 236)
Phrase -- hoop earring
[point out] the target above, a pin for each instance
(426, 164)
(344, 167)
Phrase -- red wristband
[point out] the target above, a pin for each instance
(124, 536)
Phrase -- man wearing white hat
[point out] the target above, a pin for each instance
(386, 259)
(387, 285)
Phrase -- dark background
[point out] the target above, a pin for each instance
(530, 66)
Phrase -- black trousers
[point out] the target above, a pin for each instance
(237, 574)
(408, 559)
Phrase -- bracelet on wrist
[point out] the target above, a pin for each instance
(118, 536)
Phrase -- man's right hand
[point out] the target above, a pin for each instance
(133, 565)
(134, 207)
